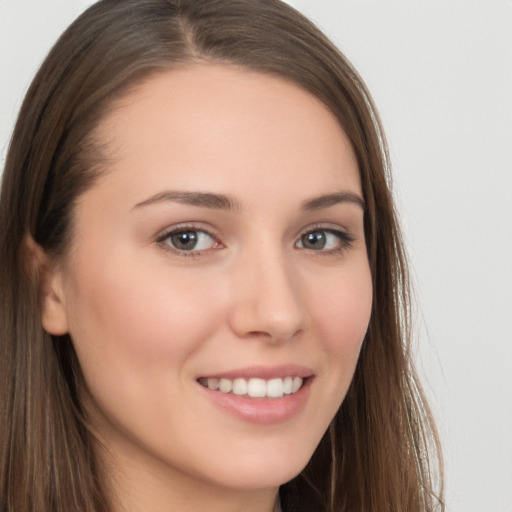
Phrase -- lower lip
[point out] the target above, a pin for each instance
(262, 411)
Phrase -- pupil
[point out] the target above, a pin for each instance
(314, 240)
(185, 240)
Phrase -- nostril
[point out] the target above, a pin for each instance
(275, 335)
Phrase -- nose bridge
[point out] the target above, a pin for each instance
(267, 297)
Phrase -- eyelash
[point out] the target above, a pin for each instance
(162, 240)
(345, 240)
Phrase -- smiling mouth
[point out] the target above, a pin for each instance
(254, 387)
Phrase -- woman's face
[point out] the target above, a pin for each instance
(222, 246)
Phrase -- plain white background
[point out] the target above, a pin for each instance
(441, 75)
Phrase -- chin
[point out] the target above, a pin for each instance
(269, 469)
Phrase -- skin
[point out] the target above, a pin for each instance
(147, 322)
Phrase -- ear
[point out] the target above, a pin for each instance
(53, 312)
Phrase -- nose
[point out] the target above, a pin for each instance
(267, 300)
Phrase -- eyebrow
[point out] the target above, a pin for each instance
(202, 199)
(321, 202)
(223, 202)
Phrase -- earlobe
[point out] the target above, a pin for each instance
(53, 312)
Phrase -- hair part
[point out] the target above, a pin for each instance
(381, 451)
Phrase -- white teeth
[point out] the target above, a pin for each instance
(225, 385)
(275, 388)
(297, 383)
(255, 388)
(287, 385)
(240, 387)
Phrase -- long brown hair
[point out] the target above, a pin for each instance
(381, 451)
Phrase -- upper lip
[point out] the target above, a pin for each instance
(263, 372)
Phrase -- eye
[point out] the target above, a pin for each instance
(189, 240)
(323, 239)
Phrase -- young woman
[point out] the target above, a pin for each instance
(204, 293)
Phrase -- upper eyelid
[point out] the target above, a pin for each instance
(210, 231)
(200, 226)
(187, 226)
(165, 234)
(331, 227)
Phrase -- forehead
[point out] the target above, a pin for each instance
(223, 127)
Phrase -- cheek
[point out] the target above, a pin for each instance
(343, 310)
(136, 334)
(127, 322)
